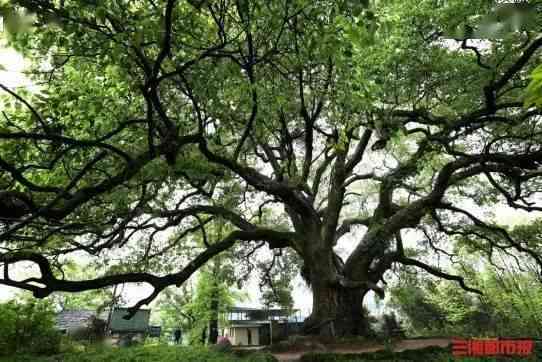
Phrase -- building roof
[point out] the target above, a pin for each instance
(267, 310)
(78, 318)
(248, 323)
(138, 323)
(73, 318)
(238, 315)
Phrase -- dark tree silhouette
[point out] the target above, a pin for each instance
(297, 123)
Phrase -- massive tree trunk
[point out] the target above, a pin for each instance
(336, 311)
(351, 318)
(322, 320)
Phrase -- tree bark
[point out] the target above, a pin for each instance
(213, 323)
(322, 320)
(215, 304)
(203, 335)
(351, 318)
(337, 312)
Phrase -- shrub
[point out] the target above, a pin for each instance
(150, 354)
(390, 327)
(223, 344)
(508, 308)
(28, 326)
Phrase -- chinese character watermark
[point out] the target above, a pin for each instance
(491, 347)
(535, 5)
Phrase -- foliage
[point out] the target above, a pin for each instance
(391, 327)
(209, 288)
(28, 326)
(147, 354)
(534, 90)
(190, 309)
(509, 306)
(276, 280)
(172, 313)
(429, 354)
(196, 310)
(97, 300)
(298, 124)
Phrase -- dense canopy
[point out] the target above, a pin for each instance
(293, 123)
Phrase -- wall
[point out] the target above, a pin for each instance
(238, 336)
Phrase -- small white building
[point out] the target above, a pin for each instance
(259, 327)
(246, 333)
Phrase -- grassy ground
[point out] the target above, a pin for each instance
(145, 354)
(426, 350)
(429, 354)
(163, 353)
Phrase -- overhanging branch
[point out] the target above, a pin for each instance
(48, 283)
(438, 273)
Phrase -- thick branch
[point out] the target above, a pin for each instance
(438, 273)
(52, 284)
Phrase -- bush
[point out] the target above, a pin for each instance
(427, 354)
(28, 327)
(508, 308)
(150, 354)
(69, 345)
(223, 344)
(390, 327)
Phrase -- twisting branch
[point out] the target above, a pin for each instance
(495, 229)
(48, 283)
(438, 273)
(347, 224)
(476, 52)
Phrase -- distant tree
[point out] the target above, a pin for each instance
(171, 308)
(507, 308)
(27, 326)
(212, 300)
(198, 308)
(277, 280)
(299, 124)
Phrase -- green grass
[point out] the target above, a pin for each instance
(429, 354)
(145, 354)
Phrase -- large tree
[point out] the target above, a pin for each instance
(298, 123)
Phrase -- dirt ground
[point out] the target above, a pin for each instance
(398, 347)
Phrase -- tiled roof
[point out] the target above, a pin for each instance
(138, 323)
(78, 318)
(73, 318)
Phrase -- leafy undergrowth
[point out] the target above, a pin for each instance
(147, 354)
(429, 354)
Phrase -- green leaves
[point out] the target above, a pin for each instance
(497, 22)
(533, 93)
(27, 326)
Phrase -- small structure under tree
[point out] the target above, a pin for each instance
(87, 324)
(256, 326)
